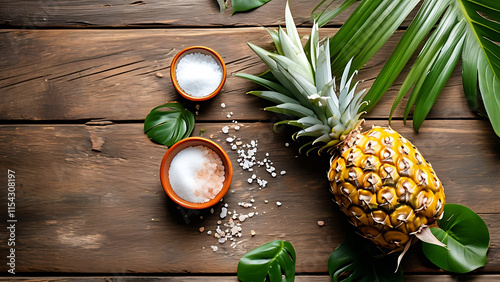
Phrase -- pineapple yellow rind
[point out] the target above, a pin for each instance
(385, 187)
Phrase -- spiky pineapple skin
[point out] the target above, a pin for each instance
(385, 186)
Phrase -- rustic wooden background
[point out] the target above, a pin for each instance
(77, 79)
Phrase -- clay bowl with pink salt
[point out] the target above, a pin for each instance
(198, 73)
(196, 173)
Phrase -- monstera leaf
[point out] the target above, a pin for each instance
(274, 261)
(356, 260)
(447, 29)
(169, 123)
(466, 237)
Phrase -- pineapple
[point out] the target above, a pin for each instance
(378, 178)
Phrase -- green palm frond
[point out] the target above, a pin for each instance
(447, 29)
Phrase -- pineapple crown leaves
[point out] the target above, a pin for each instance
(302, 86)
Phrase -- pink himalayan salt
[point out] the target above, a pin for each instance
(196, 174)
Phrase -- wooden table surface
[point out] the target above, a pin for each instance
(77, 79)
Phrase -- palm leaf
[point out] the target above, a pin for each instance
(325, 16)
(476, 43)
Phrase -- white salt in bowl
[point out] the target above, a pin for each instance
(198, 73)
(193, 142)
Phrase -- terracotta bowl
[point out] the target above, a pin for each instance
(205, 51)
(183, 144)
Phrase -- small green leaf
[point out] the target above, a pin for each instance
(356, 260)
(169, 123)
(467, 239)
(246, 5)
(268, 262)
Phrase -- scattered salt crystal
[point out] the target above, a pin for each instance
(236, 128)
(209, 232)
(214, 248)
(228, 116)
(287, 144)
(251, 214)
(223, 212)
(198, 74)
(222, 105)
(266, 201)
(250, 180)
(196, 174)
(283, 172)
(229, 139)
(278, 204)
(234, 147)
(252, 232)
(273, 174)
(222, 240)
(225, 129)
(242, 217)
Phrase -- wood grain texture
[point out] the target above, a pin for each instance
(111, 74)
(298, 278)
(87, 211)
(185, 13)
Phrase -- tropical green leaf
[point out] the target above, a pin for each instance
(246, 5)
(326, 15)
(424, 61)
(358, 37)
(470, 57)
(439, 74)
(357, 260)
(424, 21)
(273, 261)
(467, 239)
(169, 123)
(489, 85)
(384, 31)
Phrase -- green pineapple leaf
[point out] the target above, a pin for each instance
(169, 123)
(273, 261)
(357, 260)
(467, 239)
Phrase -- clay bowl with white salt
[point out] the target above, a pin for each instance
(198, 73)
(196, 173)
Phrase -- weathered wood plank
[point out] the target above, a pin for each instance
(188, 13)
(304, 278)
(111, 74)
(85, 209)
